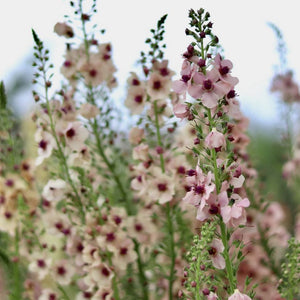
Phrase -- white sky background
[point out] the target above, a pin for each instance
(240, 25)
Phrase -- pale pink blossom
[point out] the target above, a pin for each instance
(201, 186)
(224, 67)
(141, 152)
(89, 111)
(237, 295)
(54, 190)
(215, 139)
(63, 29)
(235, 213)
(75, 135)
(158, 87)
(136, 99)
(208, 88)
(46, 143)
(215, 249)
(181, 111)
(136, 135)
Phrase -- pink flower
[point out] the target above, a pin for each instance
(236, 212)
(181, 111)
(215, 139)
(201, 187)
(237, 295)
(208, 88)
(75, 135)
(215, 250)
(63, 29)
(224, 67)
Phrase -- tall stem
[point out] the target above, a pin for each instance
(142, 277)
(170, 226)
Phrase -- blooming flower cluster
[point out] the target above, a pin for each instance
(166, 209)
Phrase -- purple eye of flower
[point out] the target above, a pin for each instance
(123, 251)
(138, 99)
(70, 133)
(105, 272)
(162, 187)
(212, 251)
(224, 70)
(9, 182)
(43, 144)
(67, 63)
(191, 172)
(52, 297)
(199, 189)
(87, 295)
(93, 73)
(156, 85)
(138, 227)
(61, 270)
(41, 263)
(185, 78)
(213, 210)
(164, 72)
(135, 82)
(207, 84)
(110, 237)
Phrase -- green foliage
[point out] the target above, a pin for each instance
(290, 281)
(156, 49)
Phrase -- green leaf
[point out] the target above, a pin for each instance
(3, 98)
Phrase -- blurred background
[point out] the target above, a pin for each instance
(240, 25)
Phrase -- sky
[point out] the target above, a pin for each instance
(240, 25)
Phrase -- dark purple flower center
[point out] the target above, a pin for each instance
(213, 210)
(199, 189)
(135, 82)
(181, 170)
(110, 237)
(41, 263)
(61, 270)
(156, 85)
(93, 73)
(164, 72)
(70, 133)
(207, 84)
(87, 295)
(191, 172)
(185, 78)
(138, 227)
(7, 215)
(117, 220)
(123, 251)
(162, 187)
(67, 63)
(9, 182)
(52, 297)
(224, 70)
(231, 94)
(138, 98)
(212, 251)
(105, 272)
(79, 247)
(43, 144)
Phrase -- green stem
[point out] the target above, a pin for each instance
(64, 293)
(162, 162)
(110, 166)
(172, 249)
(86, 42)
(17, 281)
(142, 277)
(229, 270)
(60, 151)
